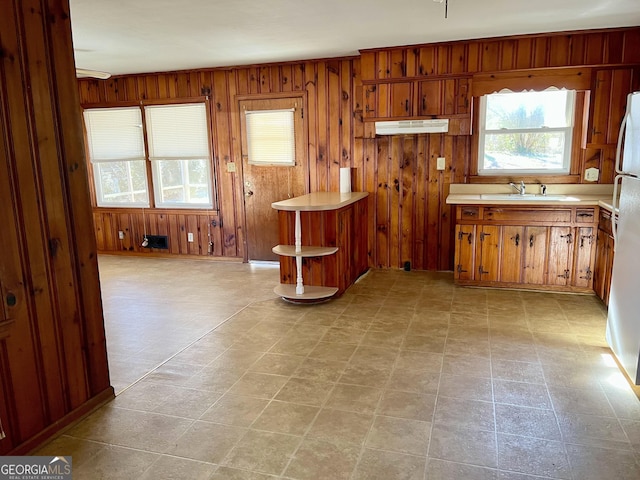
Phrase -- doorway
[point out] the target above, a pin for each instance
(265, 183)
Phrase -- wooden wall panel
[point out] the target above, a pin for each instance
(408, 217)
(53, 354)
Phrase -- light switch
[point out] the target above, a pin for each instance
(121, 235)
(231, 167)
(440, 163)
(189, 237)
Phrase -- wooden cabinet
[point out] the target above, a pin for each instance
(609, 91)
(537, 247)
(441, 98)
(604, 257)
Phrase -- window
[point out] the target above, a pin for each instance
(179, 154)
(178, 144)
(116, 150)
(526, 132)
(270, 137)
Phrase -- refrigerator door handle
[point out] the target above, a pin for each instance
(621, 134)
(614, 203)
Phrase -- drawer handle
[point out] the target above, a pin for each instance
(569, 237)
(584, 214)
(531, 240)
(470, 213)
(517, 239)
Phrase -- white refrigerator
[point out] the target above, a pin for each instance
(623, 321)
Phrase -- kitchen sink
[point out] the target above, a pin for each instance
(528, 197)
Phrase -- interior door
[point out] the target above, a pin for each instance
(265, 184)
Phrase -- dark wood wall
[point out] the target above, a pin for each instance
(409, 219)
(53, 363)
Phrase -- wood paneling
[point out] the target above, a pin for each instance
(408, 217)
(53, 363)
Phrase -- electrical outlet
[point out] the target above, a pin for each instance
(121, 235)
(231, 167)
(189, 237)
(440, 163)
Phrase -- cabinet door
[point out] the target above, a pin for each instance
(512, 247)
(465, 252)
(559, 258)
(535, 255)
(583, 273)
(608, 97)
(489, 253)
(430, 97)
(401, 99)
(599, 268)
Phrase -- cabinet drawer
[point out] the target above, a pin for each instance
(585, 215)
(468, 213)
(604, 223)
(527, 215)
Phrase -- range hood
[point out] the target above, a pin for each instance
(409, 127)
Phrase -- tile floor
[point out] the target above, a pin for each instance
(405, 377)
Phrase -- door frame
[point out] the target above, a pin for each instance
(298, 95)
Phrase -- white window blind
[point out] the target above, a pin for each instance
(178, 141)
(271, 137)
(116, 150)
(177, 132)
(114, 134)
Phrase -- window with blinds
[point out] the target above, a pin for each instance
(177, 141)
(271, 137)
(116, 150)
(179, 153)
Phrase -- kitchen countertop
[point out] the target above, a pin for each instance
(577, 194)
(319, 201)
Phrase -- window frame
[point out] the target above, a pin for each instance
(569, 138)
(152, 204)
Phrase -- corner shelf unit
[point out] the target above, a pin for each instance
(321, 209)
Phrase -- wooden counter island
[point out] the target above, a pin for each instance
(323, 244)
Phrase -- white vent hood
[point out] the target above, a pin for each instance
(409, 127)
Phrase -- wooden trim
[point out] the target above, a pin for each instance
(157, 211)
(210, 258)
(550, 179)
(539, 79)
(142, 103)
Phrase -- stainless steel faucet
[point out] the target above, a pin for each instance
(522, 189)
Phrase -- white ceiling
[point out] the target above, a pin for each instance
(136, 36)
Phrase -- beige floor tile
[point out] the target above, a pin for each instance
(514, 351)
(422, 361)
(533, 456)
(115, 463)
(463, 446)
(354, 398)
(593, 430)
(364, 375)
(466, 365)
(263, 452)
(442, 470)
(171, 468)
(187, 402)
(207, 442)
(333, 351)
(468, 414)
(304, 391)
(317, 459)
(320, 370)
(258, 385)
(131, 428)
(425, 343)
(585, 401)
(276, 364)
(465, 386)
(228, 473)
(285, 417)
(399, 435)
(413, 406)
(521, 394)
(517, 371)
(418, 381)
(591, 463)
(532, 422)
(338, 426)
(381, 465)
(81, 450)
(235, 410)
